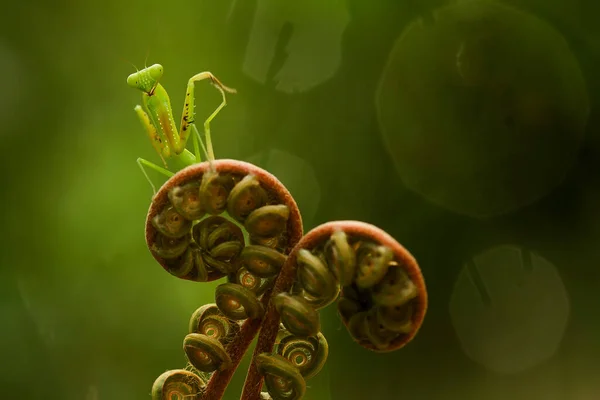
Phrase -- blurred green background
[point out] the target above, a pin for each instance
(450, 171)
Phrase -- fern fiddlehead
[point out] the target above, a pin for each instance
(196, 229)
(248, 229)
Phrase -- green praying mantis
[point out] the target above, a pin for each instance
(156, 115)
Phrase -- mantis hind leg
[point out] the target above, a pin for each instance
(207, 137)
(187, 119)
(141, 162)
(197, 144)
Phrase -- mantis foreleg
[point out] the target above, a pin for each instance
(187, 118)
(161, 148)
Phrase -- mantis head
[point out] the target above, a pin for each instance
(146, 79)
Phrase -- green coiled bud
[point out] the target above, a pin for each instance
(297, 315)
(262, 261)
(214, 191)
(206, 353)
(357, 326)
(177, 384)
(348, 307)
(184, 265)
(214, 230)
(252, 282)
(373, 263)
(186, 200)
(210, 321)
(306, 354)
(272, 242)
(283, 380)
(396, 318)
(395, 289)
(226, 250)
(318, 283)
(246, 196)
(267, 221)
(237, 302)
(170, 223)
(168, 247)
(340, 257)
(378, 335)
(221, 242)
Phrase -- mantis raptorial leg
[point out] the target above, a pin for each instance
(156, 116)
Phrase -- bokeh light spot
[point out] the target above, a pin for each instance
(509, 309)
(296, 44)
(482, 108)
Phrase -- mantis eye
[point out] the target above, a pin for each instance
(132, 80)
(155, 71)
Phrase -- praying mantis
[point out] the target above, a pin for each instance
(156, 115)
